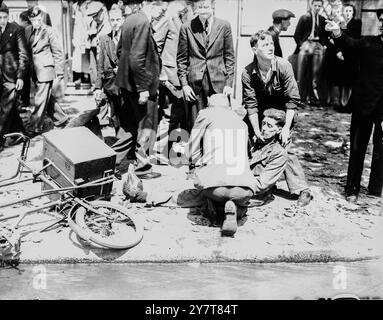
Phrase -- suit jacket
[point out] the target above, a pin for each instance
(14, 57)
(277, 45)
(367, 93)
(193, 59)
(218, 162)
(303, 30)
(107, 60)
(139, 62)
(47, 53)
(167, 37)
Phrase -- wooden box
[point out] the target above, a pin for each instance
(81, 156)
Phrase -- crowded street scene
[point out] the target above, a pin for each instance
(230, 148)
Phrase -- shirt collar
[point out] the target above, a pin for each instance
(210, 21)
(256, 67)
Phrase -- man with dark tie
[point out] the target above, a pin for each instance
(311, 37)
(205, 58)
(281, 22)
(13, 65)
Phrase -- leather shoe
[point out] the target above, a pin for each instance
(304, 198)
(229, 226)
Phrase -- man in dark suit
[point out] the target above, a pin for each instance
(281, 22)
(48, 63)
(311, 37)
(172, 108)
(13, 64)
(205, 58)
(366, 103)
(107, 68)
(138, 77)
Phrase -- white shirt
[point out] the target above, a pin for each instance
(210, 21)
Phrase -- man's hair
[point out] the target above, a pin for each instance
(116, 8)
(4, 8)
(278, 20)
(262, 34)
(278, 115)
(218, 100)
(312, 1)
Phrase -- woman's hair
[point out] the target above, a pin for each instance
(353, 8)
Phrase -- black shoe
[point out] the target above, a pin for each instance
(375, 193)
(352, 198)
(304, 198)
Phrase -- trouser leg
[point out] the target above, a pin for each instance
(294, 173)
(7, 104)
(376, 175)
(360, 133)
(42, 96)
(317, 81)
(220, 195)
(302, 70)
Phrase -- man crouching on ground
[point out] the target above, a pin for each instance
(217, 149)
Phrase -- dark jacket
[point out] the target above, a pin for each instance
(304, 27)
(354, 28)
(281, 92)
(139, 62)
(107, 60)
(14, 56)
(277, 45)
(193, 58)
(367, 94)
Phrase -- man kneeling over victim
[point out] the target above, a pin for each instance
(218, 159)
(218, 152)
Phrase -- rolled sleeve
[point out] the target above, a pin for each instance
(291, 91)
(249, 98)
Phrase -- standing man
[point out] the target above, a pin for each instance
(205, 58)
(107, 67)
(48, 63)
(13, 65)
(268, 82)
(138, 77)
(366, 104)
(281, 22)
(172, 106)
(311, 37)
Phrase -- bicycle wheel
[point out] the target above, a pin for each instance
(107, 225)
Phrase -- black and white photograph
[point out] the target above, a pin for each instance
(210, 151)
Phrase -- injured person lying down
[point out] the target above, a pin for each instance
(218, 157)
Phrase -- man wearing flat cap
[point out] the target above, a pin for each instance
(13, 66)
(48, 63)
(366, 103)
(281, 22)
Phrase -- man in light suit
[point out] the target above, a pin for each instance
(205, 58)
(138, 77)
(13, 65)
(107, 68)
(48, 62)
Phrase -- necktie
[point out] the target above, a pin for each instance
(1, 32)
(206, 33)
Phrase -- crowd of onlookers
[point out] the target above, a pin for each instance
(163, 72)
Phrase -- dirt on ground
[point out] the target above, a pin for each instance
(328, 229)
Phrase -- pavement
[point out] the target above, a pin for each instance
(328, 229)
